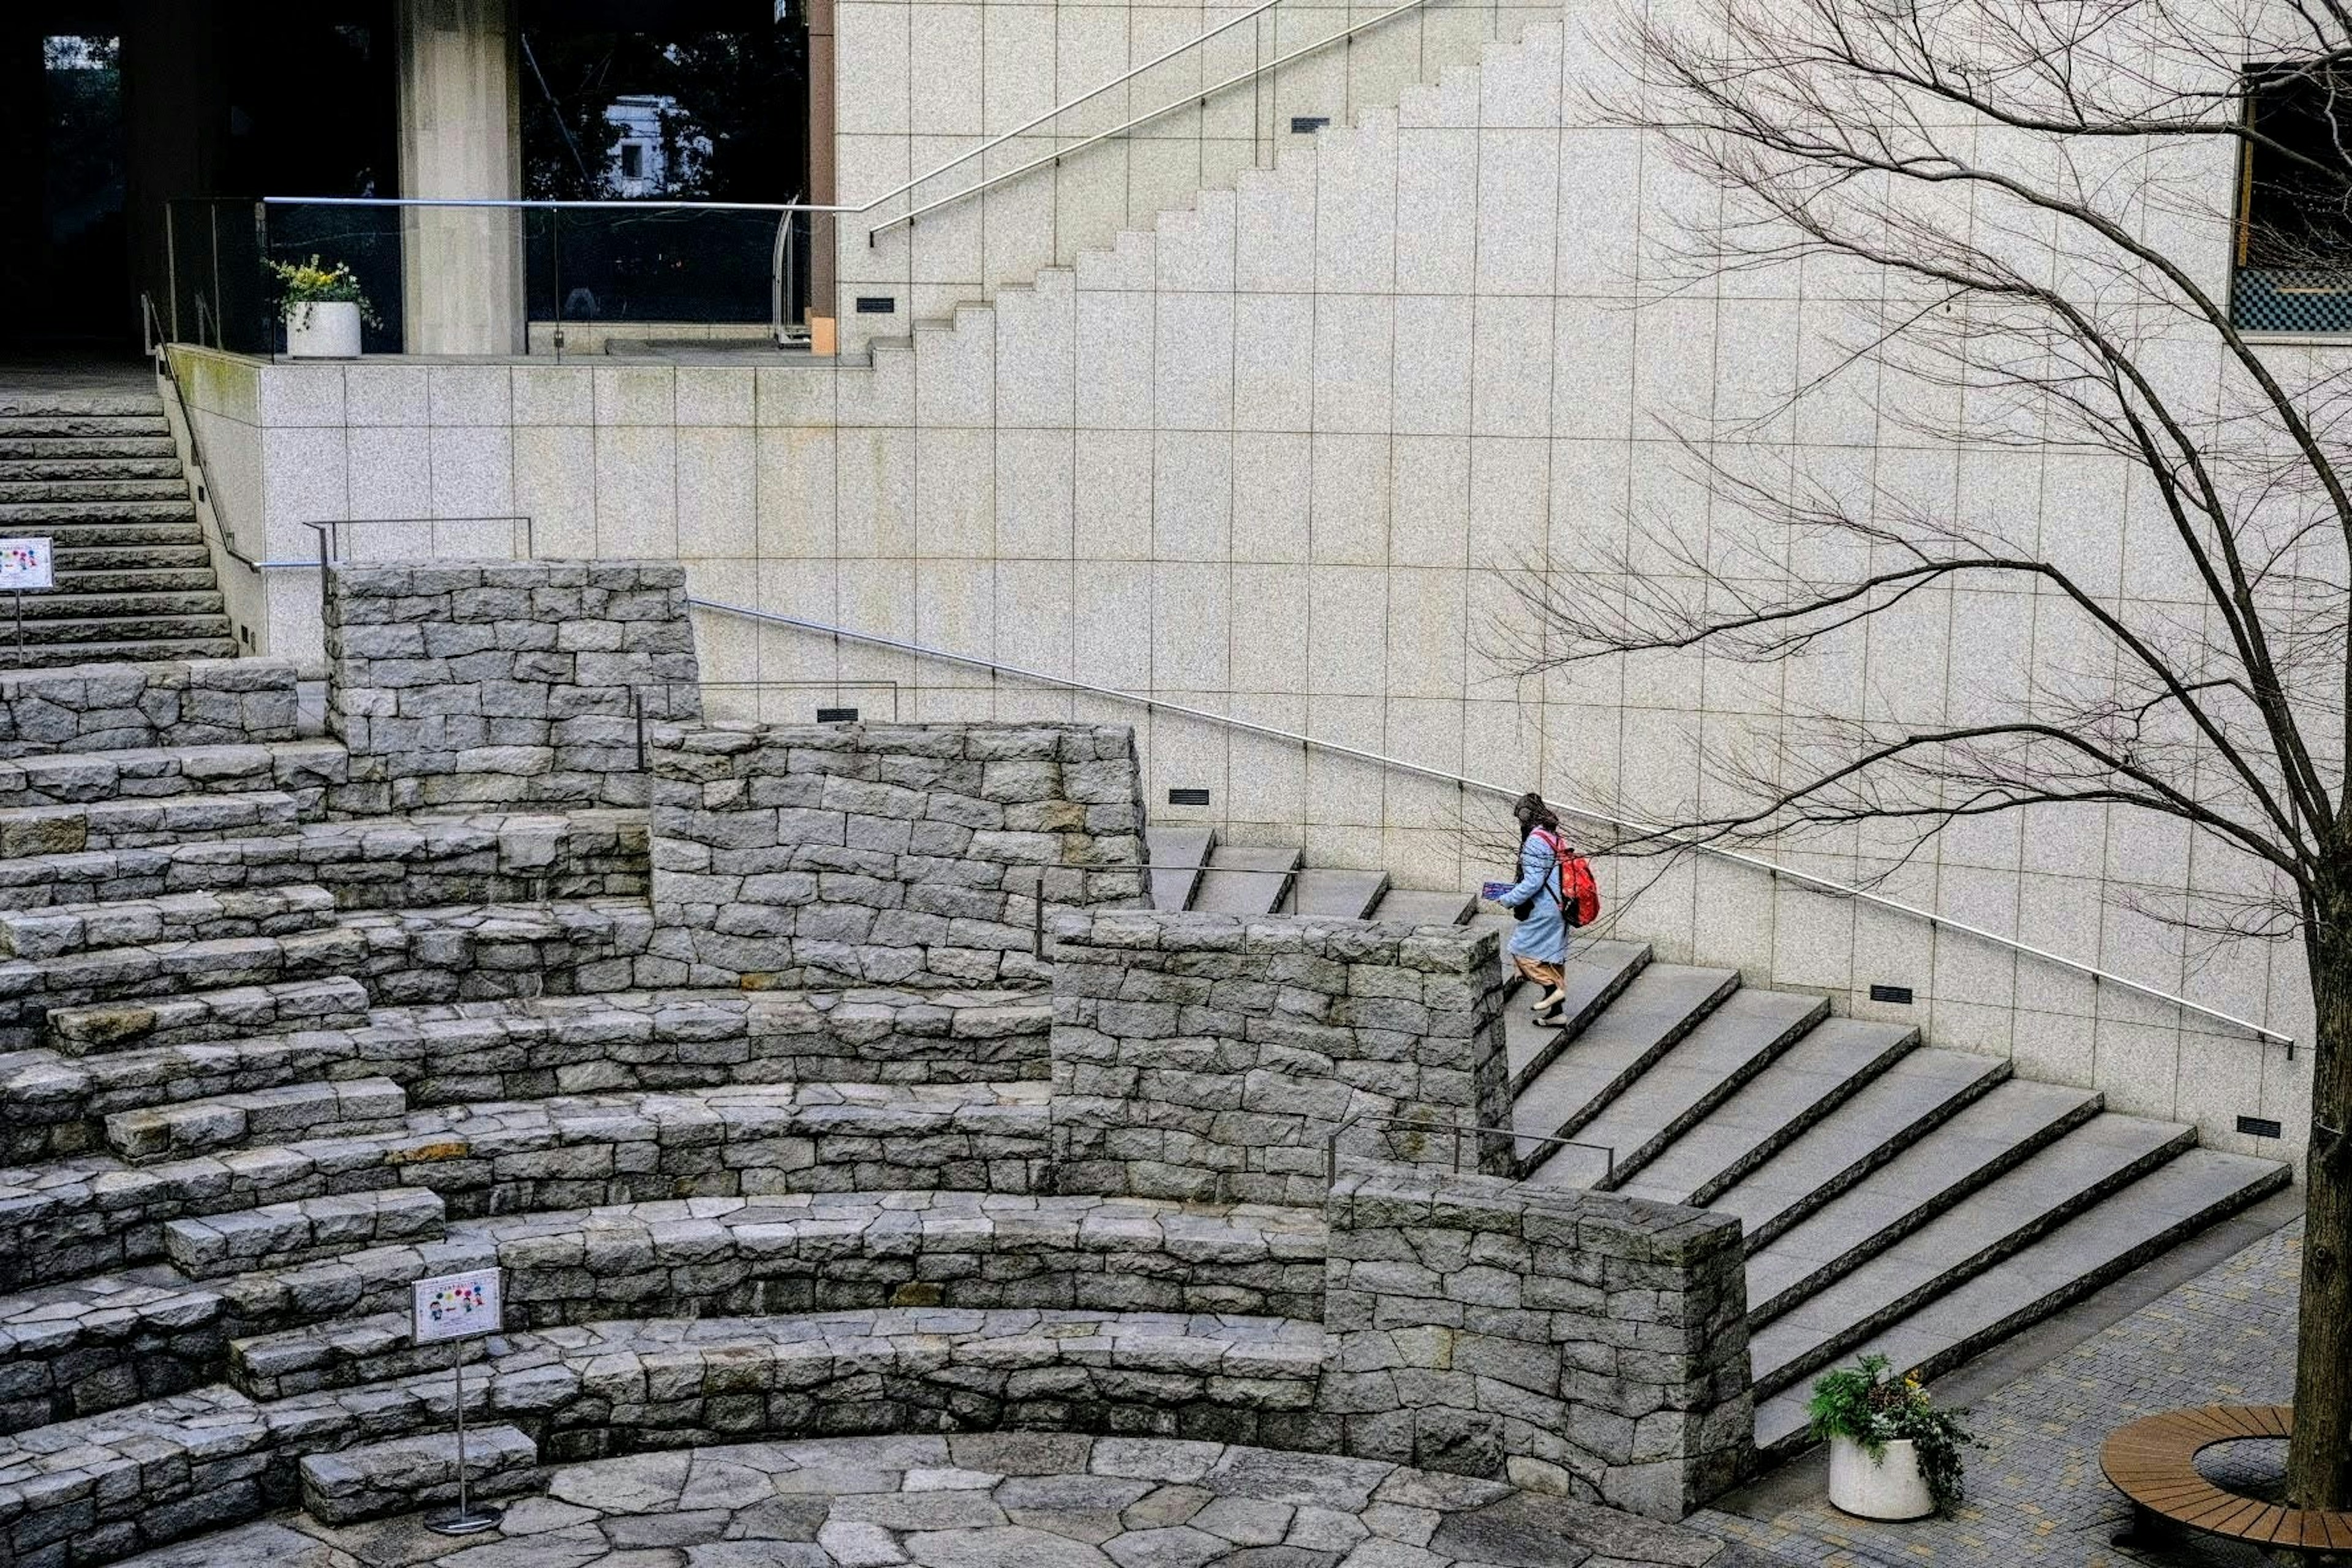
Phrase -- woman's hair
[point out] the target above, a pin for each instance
(1532, 813)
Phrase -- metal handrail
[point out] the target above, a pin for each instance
(1511, 792)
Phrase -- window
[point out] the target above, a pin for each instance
(633, 160)
(2294, 260)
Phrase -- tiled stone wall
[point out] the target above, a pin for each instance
(1576, 1342)
(114, 707)
(900, 855)
(1211, 1056)
(496, 681)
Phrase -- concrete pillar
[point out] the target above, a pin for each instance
(823, 183)
(460, 135)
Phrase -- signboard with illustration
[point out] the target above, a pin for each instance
(27, 565)
(455, 1307)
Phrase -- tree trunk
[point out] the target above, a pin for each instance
(2319, 1461)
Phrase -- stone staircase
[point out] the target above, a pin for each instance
(1895, 1197)
(98, 473)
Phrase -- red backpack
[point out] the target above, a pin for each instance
(1580, 895)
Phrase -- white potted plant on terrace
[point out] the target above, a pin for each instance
(322, 308)
(1893, 1455)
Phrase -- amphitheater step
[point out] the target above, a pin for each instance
(156, 650)
(32, 989)
(70, 778)
(401, 1474)
(1730, 1047)
(336, 1001)
(1179, 858)
(2126, 1229)
(75, 601)
(20, 446)
(1835, 1060)
(291, 1110)
(1810, 1310)
(66, 928)
(1245, 880)
(136, 579)
(1596, 973)
(1664, 1002)
(136, 458)
(103, 558)
(78, 1350)
(298, 1232)
(1340, 895)
(347, 1352)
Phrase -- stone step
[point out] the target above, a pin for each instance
(1422, 907)
(1245, 880)
(1837, 1059)
(1596, 973)
(295, 767)
(134, 578)
(142, 822)
(290, 1111)
(402, 1475)
(81, 541)
(1920, 1092)
(107, 631)
(32, 989)
(1179, 858)
(89, 492)
(1340, 895)
(23, 412)
(78, 1350)
(63, 928)
(1805, 1324)
(1663, 1003)
(187, 555)
(74, 601)
(336, 1001)
(32, 467)
(346, 1352)
(1728, 1049)
(2126, 1229)
(51, 656)
(43, 516)
(23, 447)
(309, 1228)
(1984, 1139)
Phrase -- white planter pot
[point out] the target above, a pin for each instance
(324, 329)
(1890, 1488)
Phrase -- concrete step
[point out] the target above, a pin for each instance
(349, 1352)
(53, 448)
(1595, 974)
(76, 539)
(91, 491)
(312, 1229)
(1835, 1060)
(24, 410)
(63, 778)
(188, 554)
(2126, 1229)
(1339, 895)
(193, 578)
(282, 1114)
(106, 631)
(1420, 907)
(142, 821)
(73, 601)
(1901, 1106)
(231, 1013)
(33, 467)
(44, 516)
(1663, 1003)
(1245, 880)
(1178, 856)
(32, 990)
(1803, 1325)
(1706, 1067)
(64, 929)
(50, 656)
(402, 1475)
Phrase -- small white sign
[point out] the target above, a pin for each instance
(455, 1307)
(26, 563)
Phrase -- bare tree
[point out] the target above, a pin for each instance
(2041, 202)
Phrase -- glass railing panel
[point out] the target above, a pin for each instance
(373, 242)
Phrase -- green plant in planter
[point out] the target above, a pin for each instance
(302, 284)
(1863, 1403)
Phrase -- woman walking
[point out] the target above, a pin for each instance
(1539, 946)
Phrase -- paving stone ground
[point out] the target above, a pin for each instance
(2035, 1492)
(1014, 1499)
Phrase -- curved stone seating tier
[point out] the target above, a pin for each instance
(53, 1105)
(154, 1472)
(305, 770)
(61, 1222)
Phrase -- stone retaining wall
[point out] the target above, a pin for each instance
(909, 856)
(1215, 1057)
(120, 707)
(1577, 1342)
(504, 681)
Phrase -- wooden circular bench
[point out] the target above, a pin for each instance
(2154, 1463)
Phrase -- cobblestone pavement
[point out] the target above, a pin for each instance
(1014, 1499)
(2035, 1492)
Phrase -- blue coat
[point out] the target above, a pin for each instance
(1543, 935)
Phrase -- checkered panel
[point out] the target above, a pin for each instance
(2268, 300)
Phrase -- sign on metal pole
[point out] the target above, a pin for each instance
(25, 564)
(457, 1307)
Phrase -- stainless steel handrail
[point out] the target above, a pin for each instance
(1511, 792)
